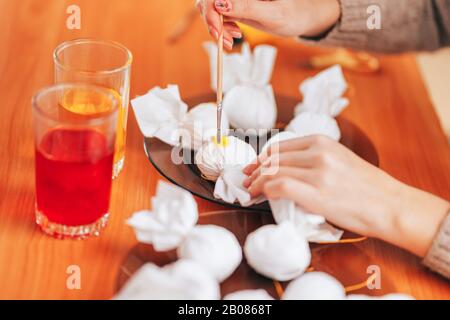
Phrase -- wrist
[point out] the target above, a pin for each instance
(412, 218)
(324, 14)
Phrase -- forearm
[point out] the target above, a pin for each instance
(405, 25)
(415, 220)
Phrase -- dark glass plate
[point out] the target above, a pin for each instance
(347, 262)
(188, 176)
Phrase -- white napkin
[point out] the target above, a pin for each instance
(259, 294)
(230, 187)
(242, 68)
(224, 165)
(182, 280)
(312, 227)
(213, 247)
(277, 252)
(323, 93)
(174, 213)
(322, 101)
(162, 114)
(249, 99)
(309, 124)
(315, 286)
(199, 125)
(212, 159)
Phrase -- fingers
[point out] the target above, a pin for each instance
(290, 189)
(261, 11)
(231, 30)
(304, 160)
(256, 187)
(212, 18)
(276, 148)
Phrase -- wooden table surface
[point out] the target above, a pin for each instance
(392, 108)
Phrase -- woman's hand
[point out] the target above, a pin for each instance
(326, 178)
(280, 17)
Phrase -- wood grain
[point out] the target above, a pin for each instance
(392, 107)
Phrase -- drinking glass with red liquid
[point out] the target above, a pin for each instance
(74, 158)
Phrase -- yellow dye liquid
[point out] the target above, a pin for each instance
(86, 102)
(223, 141)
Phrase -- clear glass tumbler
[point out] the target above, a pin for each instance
(103, 63)
(74, 159)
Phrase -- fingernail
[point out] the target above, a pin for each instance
(247, 182)
(236, 35)
(223, 5)
(214, 32)
(228, 44)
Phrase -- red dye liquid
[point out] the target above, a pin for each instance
(73, 176)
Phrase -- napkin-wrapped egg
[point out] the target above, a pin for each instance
(182, 280)
(277, 252)
(249, 100)
(213, 247)
(213, 157)
(162, 114)
(315, 286)
(309, 123)
(200, 125)
(174, 213)
(259, 295)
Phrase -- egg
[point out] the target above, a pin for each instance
(315, 286)
(308, 124)
(251, 108)
(259, 294)
(181, 280)
(213, 247)
(277, 252)
(213, 157)
(200, 125)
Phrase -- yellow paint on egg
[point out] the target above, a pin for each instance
(223, 141)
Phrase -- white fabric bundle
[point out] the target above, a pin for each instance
(309, 124)
(162, 114)
(213, 247)
(249, 99)
(213, 158)
(182, 280)
(322, 101)
(259, 294)
(174, 213)
(312, 227)
(314, 286)
(224, 164)
(277, 252)
(324, 93)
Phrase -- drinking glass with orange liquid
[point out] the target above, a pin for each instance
(74, 159)
(102, 63)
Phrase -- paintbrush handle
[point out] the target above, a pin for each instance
(219, 81)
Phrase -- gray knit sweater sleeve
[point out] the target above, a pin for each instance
(406, 25)
(438, 256)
